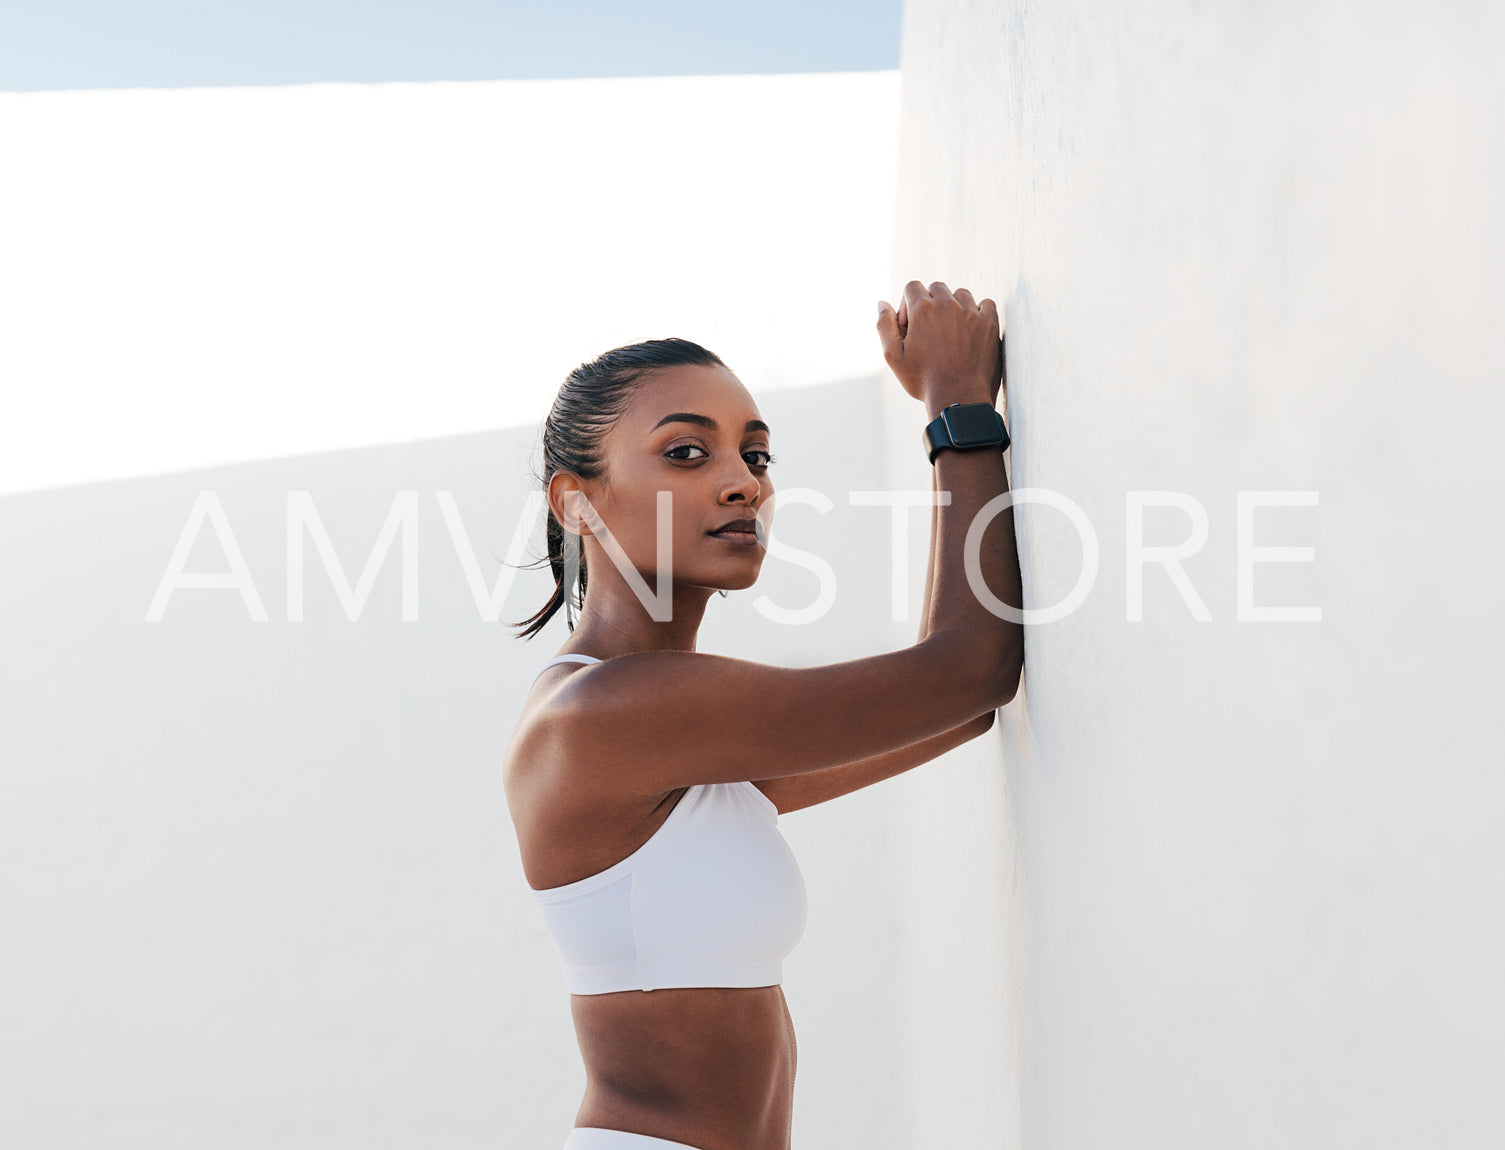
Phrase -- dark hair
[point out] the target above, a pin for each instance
(589, 402)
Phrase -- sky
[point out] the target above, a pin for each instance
(50, 45)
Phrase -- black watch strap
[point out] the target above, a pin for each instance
(966, 427)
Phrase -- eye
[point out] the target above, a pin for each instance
(769, 456)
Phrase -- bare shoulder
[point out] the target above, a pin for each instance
(532, 757)
(570, 820)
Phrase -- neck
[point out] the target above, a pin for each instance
(614, 622)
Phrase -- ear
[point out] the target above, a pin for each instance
(568, 502)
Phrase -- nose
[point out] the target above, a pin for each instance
(742, 485)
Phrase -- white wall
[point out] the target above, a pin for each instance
(1256, 883)
(260, 883)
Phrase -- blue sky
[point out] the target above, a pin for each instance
(68, 44)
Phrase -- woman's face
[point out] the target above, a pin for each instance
(696, 432)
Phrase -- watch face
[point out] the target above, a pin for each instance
(972, 424)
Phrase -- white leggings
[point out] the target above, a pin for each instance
(599, 1138)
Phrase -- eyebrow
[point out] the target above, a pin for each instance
(706, 421)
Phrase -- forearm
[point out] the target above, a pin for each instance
(975, 478)
(794, 792)
(927, 608)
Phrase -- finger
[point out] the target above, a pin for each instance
(990, 309)
(939, 291)
(914, 292)
(964, 297)
(888, 329)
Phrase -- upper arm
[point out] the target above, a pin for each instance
(656, 720)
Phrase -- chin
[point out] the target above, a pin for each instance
(737, 582)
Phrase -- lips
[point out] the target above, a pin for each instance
(738, 526)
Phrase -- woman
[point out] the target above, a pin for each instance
(644, 779)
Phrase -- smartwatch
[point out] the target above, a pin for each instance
(966, 427)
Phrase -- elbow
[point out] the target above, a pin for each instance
(1005, 682)
(981, 677)
(1012, 680)
(1012, 677)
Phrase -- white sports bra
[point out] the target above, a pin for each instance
(714, 898)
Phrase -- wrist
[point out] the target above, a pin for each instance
(934, 405)
(965, 426)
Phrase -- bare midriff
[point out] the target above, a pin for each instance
(712, 1067)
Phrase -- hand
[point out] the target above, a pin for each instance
(943, 348)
